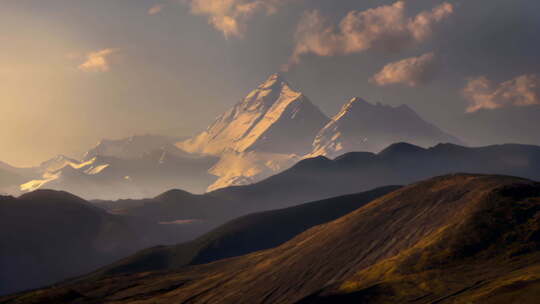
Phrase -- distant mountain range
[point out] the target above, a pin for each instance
(362, 126)
(267, 132)
(270, 130)
(135, 167)
(460, 238)
(276, 125)
(399, 164)
(320, 177)
(177, 215)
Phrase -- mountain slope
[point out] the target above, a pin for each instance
(107, 177)
(47, 236)
(267, 132)
(450, 239)
(399, 164)
(319, 178)
(244, 235)
(362, 126)
(175, 205)
(274, 118)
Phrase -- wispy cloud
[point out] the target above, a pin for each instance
(156, 9)
(412, 71)
(520, 91)
(231, 16)
(386, 27)
(98, 61)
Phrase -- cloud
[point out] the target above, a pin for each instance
(98, 61)
(386, 27)
(520, 91)
(412, 71)
(231, 16)
(156, 9)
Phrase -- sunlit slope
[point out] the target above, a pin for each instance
(244, 235)
(449, 239)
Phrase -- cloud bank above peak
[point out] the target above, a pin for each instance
(385, 27)
(231, 17)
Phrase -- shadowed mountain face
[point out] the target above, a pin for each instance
(452, 239)
(399, 164)
(246, 234)
(178, 216)
(362, 126)
(319, 178)
(175, 205)
(47, 236)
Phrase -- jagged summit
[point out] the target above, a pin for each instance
(363, 126)
(274, 80)
(273, 118)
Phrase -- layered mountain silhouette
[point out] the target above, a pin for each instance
(399, 164)
(362, 126)
(47, 236)
(459, 238)
(187, 215)
(319, 178)
(246, 234)
(136, 167)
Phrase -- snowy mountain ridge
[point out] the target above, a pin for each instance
(255, 123)
(363, 126)
(267, 132)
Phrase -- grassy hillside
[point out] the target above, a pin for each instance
(452, 239)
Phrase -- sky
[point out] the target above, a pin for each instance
(75, 71)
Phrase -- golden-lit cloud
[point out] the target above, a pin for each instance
(156, 9)
(520, 91)
(98, 61)
(231, 16)
(411, 72)
(385, 27)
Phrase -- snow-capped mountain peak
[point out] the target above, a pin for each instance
(273, 80)
(262, 134)
(258, 121)
(354, 103)
(363, 126)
